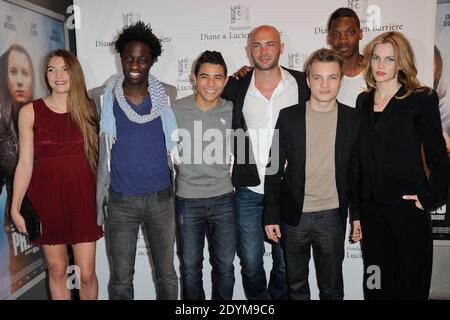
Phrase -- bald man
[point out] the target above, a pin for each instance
(258, 98)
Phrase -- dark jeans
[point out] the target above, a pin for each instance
(154, 211)
(216, 217)
(249, 206)
(323, 231)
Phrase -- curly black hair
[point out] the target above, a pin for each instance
(140, 32)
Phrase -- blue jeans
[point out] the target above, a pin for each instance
(215, 216)
(324, 232)
(154, 211)
(249, 206)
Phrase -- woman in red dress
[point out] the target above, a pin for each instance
(58, 157)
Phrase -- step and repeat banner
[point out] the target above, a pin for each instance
(189, 27)
(441, 83)
(27, 33)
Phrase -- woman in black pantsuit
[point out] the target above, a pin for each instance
(400, 172)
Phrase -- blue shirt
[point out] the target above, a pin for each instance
(138, 157)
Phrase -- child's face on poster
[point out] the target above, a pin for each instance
(20, 77)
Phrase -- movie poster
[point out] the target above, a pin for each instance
(27, 33)
(441, 83)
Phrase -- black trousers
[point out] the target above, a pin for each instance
(397, 251)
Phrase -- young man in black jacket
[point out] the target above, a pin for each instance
(306, 200)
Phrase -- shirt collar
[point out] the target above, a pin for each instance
(286, 80)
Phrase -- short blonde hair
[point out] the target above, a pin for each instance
(324, 55)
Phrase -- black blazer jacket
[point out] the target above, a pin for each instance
(389, 159)
(284, 191)
(245, 173)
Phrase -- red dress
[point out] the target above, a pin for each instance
(62, 186)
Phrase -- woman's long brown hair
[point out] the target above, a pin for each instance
(79, 106)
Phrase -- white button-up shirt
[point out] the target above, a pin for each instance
(261, 115)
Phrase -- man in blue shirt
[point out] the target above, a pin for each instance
(134, 185)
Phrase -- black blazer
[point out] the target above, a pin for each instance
(245, 172)
(389, 157)
(284, 191)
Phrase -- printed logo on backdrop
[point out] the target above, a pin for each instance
(239, 25)
(353, 251)
(184, 66)
(184, 83)
(296, 60)
(130, 18)
(9, 23)
(446, 22)
(359, 6)
(240, 12)
(370, 17)
(142, 249)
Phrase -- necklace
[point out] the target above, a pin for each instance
(381, 103)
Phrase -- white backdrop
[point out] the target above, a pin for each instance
(188, 27)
